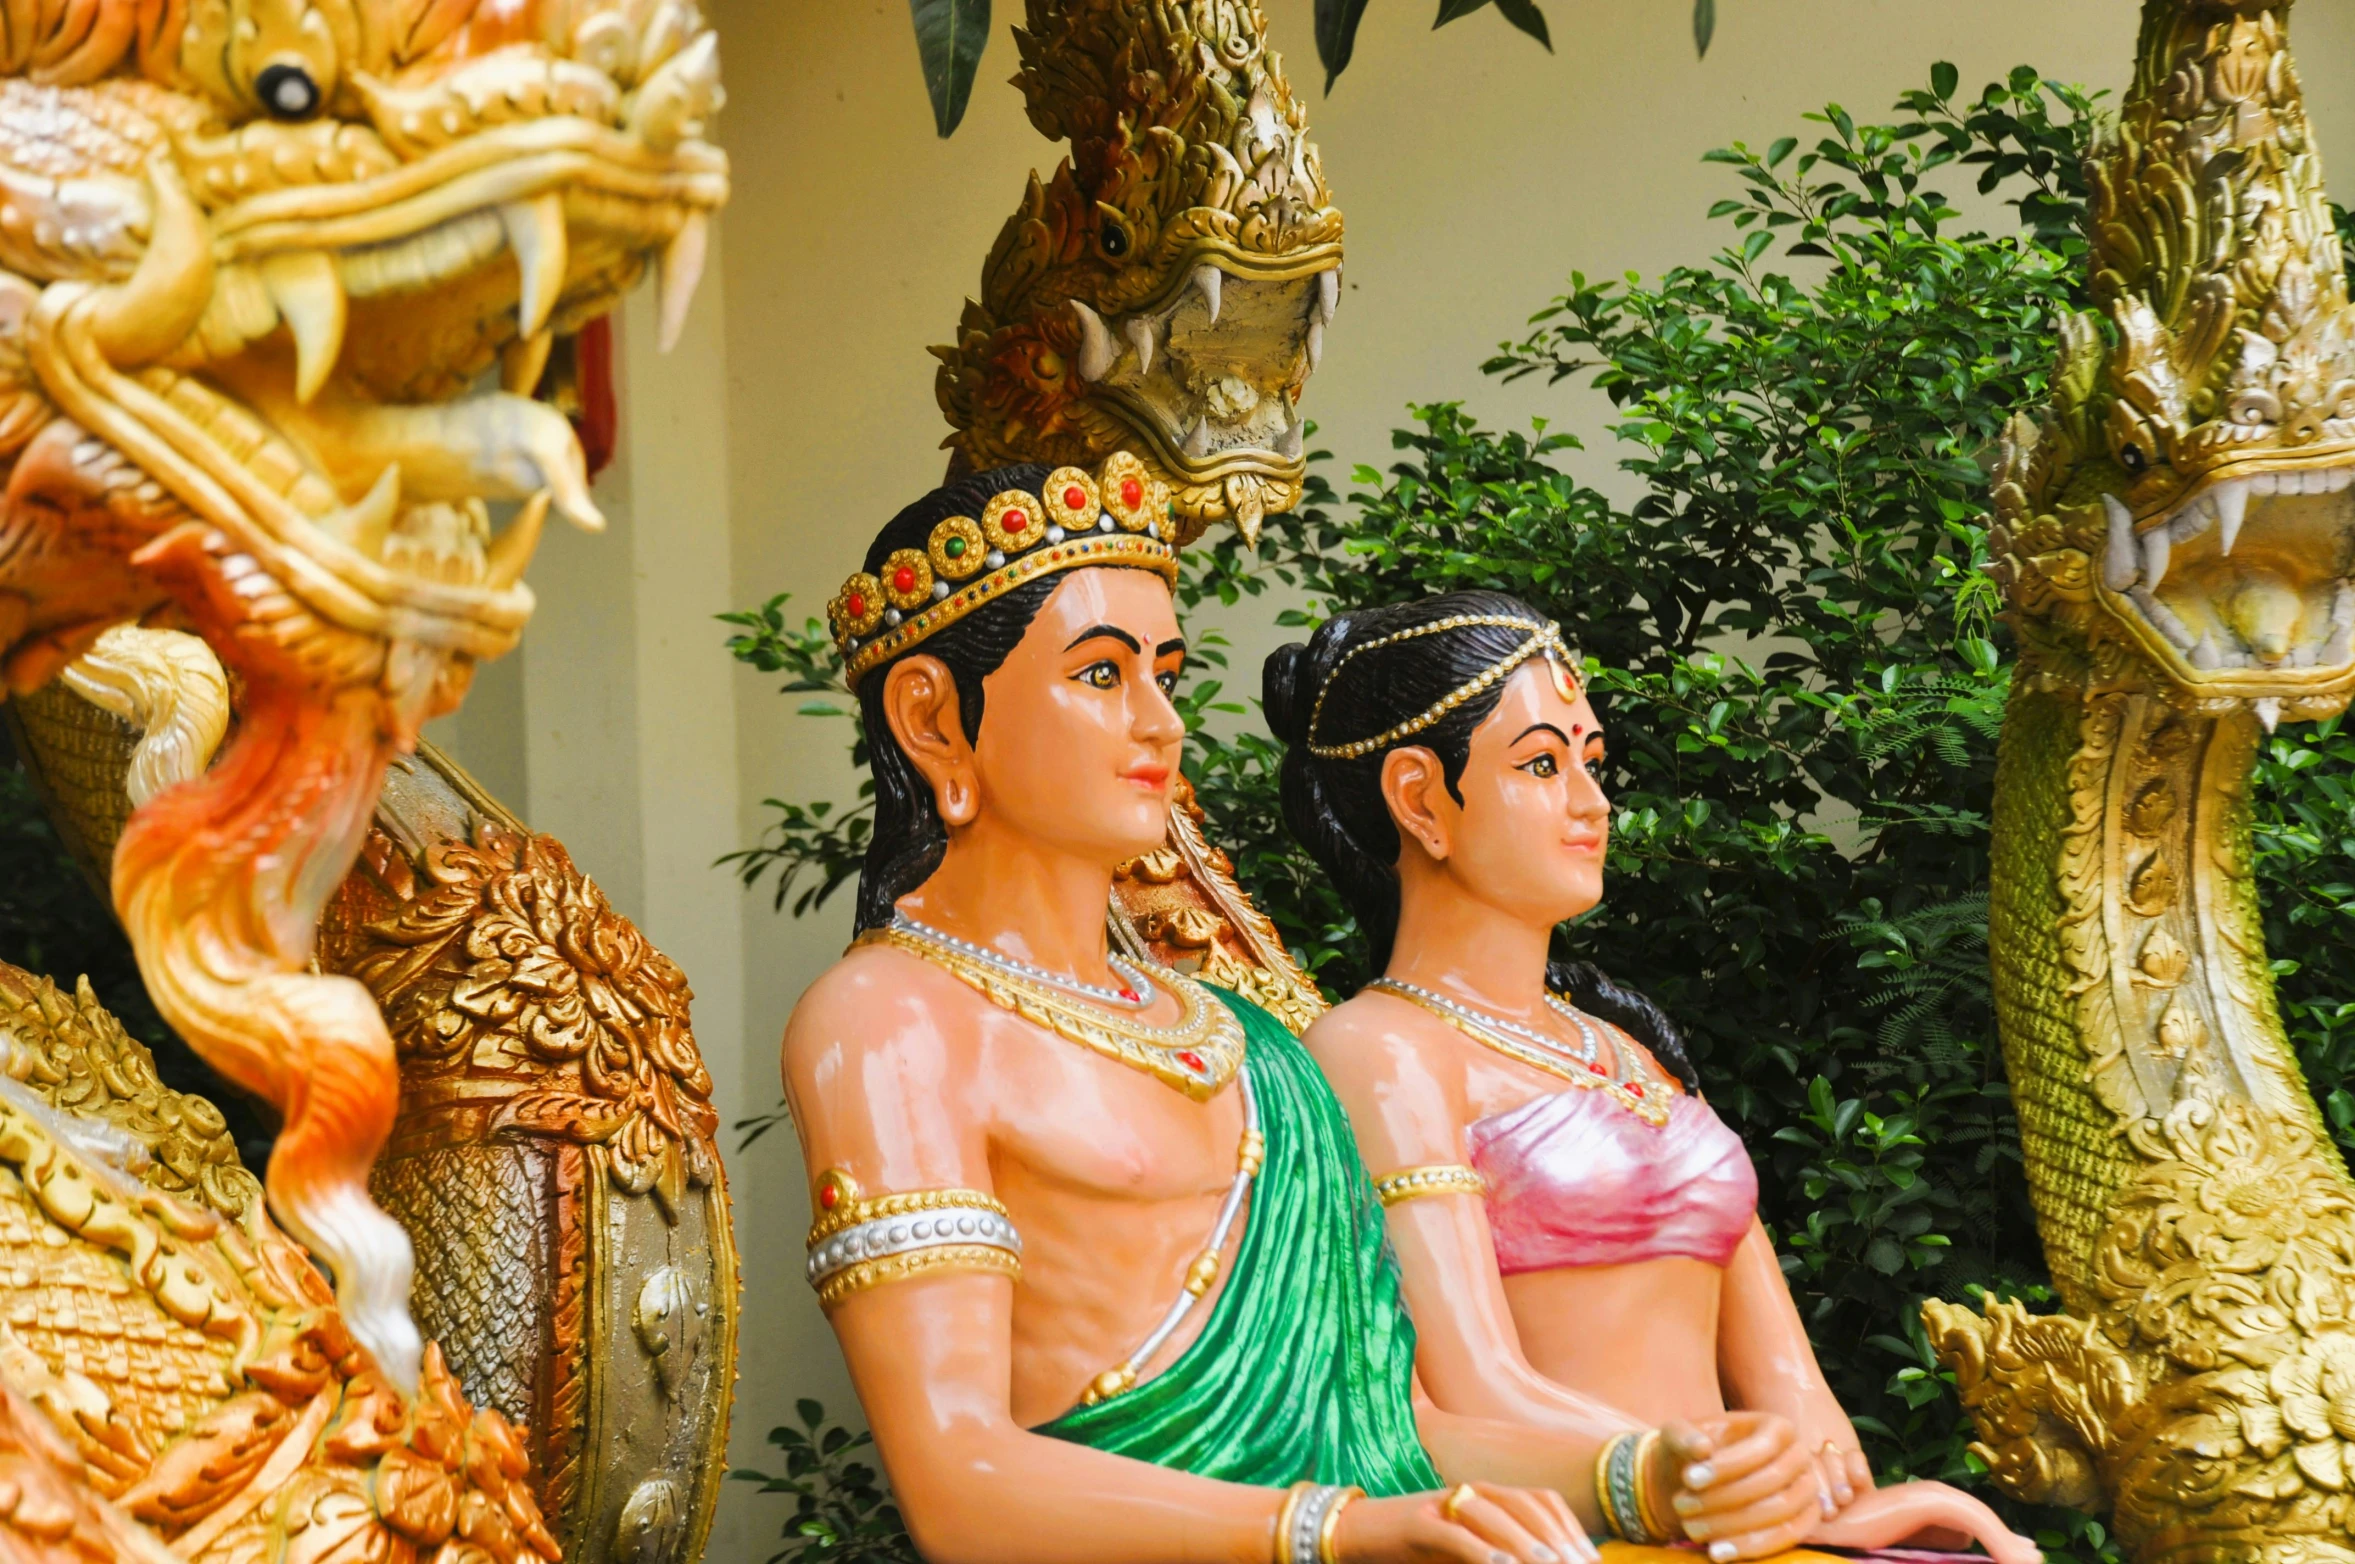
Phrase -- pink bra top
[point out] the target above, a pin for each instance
(1576, 1179)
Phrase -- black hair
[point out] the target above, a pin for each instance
(910, 838)
(1335, 807)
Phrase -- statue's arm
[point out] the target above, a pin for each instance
(1409, 1112)
(1765, 1361)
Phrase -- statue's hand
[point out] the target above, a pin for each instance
(1476, 1523)
(1920, 1512)
(1842, 1473)
(1741, 1483)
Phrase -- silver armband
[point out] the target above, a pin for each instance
(859, 1243)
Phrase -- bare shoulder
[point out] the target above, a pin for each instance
(1378, 1043)
(881, 1070)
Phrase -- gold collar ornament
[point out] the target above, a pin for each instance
(1198, 1055)
(1118, 516)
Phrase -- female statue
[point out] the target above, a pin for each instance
(1567, 1211)
(1110, 1279)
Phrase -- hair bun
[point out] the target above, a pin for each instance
(1288, 709)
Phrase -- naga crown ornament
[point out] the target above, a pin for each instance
(1119, 516)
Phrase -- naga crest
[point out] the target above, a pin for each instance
(2183, 515)
(1168, 290)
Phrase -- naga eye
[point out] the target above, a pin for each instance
(287, 91)
(1114, 239)
(2132, 459)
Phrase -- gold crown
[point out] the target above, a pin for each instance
(1120, 516)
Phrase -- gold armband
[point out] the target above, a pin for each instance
(1421, 1183)
(857, 1243)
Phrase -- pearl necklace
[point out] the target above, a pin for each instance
(1137, 995)
(1624, 1079)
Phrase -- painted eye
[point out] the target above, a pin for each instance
(1543, 766)
(2132, 459)
(1168, 683)
(287, 92)
(1114, 239)
(1101, 676)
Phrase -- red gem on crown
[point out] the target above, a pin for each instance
(1635, 1090)
(903, 579)
(857, 606)
(1075, 498)
(830, 1196)
(1193, 1061)
(1132, 493)
(1014, 521)
(1596, 1068)
(1131, 995)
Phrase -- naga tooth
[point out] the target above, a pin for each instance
(1328, 294)
(512, 550)
(2192, 520)
(310, 295)
(2121, 561)
(682, 274)
(535, 232)
(2340, 478)
(2154, 558)
(365, 526)
(1139, 331)
(1095, 343)
(2268, 710)
(1198, 438)
(2203, 656)
(524, 362)
(2231, 500)
(1289, 443)
(1210, 282)
(2162, 618)
(1316, 345)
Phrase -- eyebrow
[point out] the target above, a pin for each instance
(1094, 632)
(1543, 727)
(1165, 648)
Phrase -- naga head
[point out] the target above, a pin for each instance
(2183, 517)
(1167, 292)
(260, 261)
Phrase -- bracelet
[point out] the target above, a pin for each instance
(1660, 1534)
(1420, 1183)
(1611, 1521)
(1306, 1523)
(1328, 1551)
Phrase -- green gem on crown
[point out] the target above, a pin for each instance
(954, 548)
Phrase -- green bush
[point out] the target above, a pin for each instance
(1802, 675)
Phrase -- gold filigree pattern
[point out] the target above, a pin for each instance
(2171, 536)
(1169, 289)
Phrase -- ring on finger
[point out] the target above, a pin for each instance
(1452, 1507)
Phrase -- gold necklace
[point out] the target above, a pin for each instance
(1648, 1099)
(1197, 1056)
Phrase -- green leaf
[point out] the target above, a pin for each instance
(950, 35)
(1525, 15)
(1704, 25)
(1944, 79)
(1455, 10)
(1336, 27)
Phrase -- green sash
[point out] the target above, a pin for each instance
(1304, 1371)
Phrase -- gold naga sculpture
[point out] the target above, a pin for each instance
(1177, 275)
(1169, 289)
(2175, 535)
(253, 255)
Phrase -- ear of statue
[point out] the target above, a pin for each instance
(920, 703)
(1415, 788)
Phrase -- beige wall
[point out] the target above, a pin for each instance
(1476, 172)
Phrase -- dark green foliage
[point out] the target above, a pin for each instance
(842, 1513)
(950, 36)
(1802, 676)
